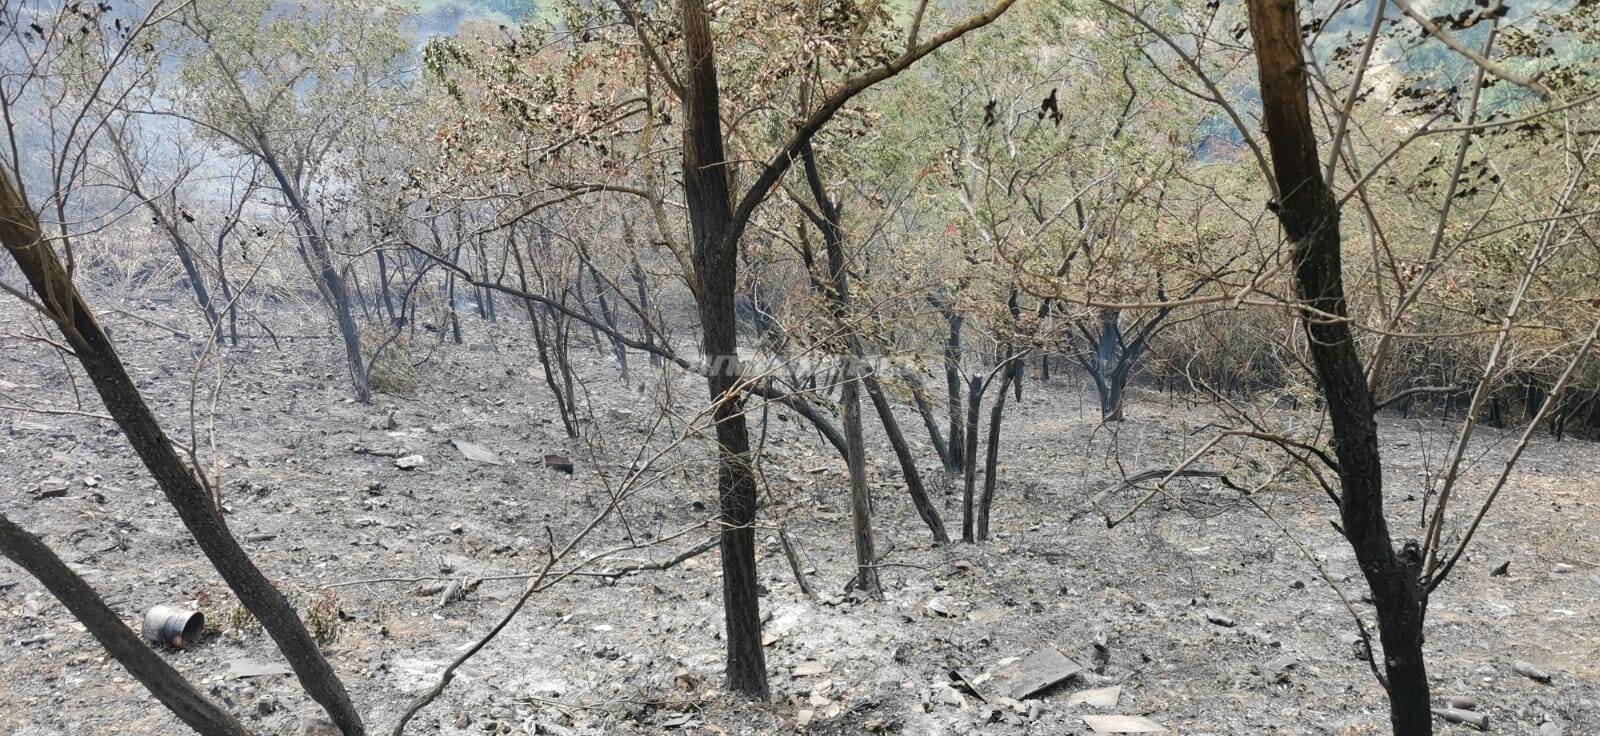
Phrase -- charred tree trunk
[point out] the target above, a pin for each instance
(866, 579)
(919, 398)
(21, 235)
(227, 289)
(537, 326)
(561, 342)
(644, 310)
(1108, 374)
(969, 461)
(1309, 215)
(957, 455)
(196, 279)
(330, 283)
(617, 348)
(450, 314)
(908, 462)
(383, 287)
(715, 236)
(838, 298)
(991, 457)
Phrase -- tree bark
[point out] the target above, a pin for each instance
(969, 461)
(952, 378)
(706, 192)
(908, 462)
(992, 451)
(1309, 215)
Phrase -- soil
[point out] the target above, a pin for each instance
(1208, 611)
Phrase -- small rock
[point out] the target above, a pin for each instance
(410, 462)
(1277, 669)
(1470, 718)
(1531, 671)
(476, 452)
(558, 463)
(1219, 619)
(51, 487)
(810, 669)
(1461, 702)
(1501, 571)
(1550, 728)
(1561, 568)
(388, 422)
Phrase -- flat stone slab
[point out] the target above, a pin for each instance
(1035, 673)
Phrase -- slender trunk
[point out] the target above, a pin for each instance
(561, 341)
(1309, 215)
(331, 283)
(644, 309)
(969, 462)
(197, 281)
(617, 348)
(450, 299)
(991, 457)
(1013, 305)
(383, 286)
(537, 326)
(227, 289)
(866, 579)
(707, 195)
(1108, 360)
(919, 397)
(478, 293)
(952, 377)
(908, 463)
